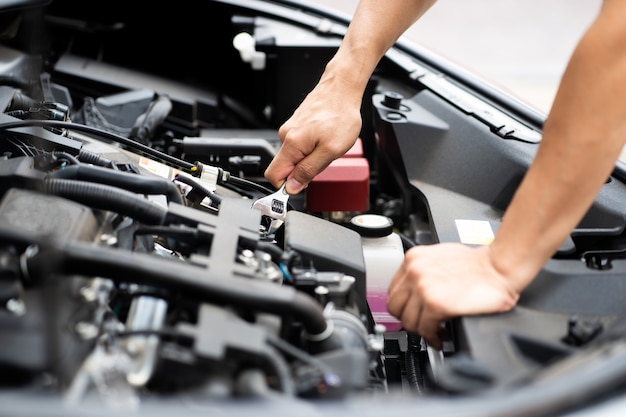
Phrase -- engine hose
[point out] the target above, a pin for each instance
(93, 158)
(161, 156)
(71, 159)
(413, 367)
(274, 250)
(20, 102)
(147, 124)
(197, 186)
(126, 180)
(177, 276)
(281, 368)
(105, 197)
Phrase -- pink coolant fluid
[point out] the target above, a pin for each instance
(383, 253)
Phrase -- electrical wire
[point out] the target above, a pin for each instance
(177, 162)
(250, 185)
(192, 168)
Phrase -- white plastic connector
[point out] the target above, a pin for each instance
(246, 45)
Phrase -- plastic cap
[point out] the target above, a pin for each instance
(392, 100)
(372, 225)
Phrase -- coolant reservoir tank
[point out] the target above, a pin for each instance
(383, 253)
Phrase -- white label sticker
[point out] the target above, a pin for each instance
(474, 232)
(155, 167)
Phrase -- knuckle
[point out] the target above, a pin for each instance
(304, 171)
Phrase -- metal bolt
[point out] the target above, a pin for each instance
(86, 330)
(321, 290)
(88, 294)
(16, 306)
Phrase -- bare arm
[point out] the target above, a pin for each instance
(582, 139)
(328, 121)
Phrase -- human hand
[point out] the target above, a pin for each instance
(438, 282)
(324, 127)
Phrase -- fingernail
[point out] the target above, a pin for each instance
(293, 186)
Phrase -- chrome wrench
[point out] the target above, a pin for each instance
(274, 206)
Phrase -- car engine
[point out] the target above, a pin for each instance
(168, 281)
(136, 265)
(127, 267)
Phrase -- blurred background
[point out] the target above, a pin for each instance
(520, 45)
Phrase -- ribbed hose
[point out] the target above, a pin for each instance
(93, 158)
(198, 187)
(105, 197)
(414, 373)
(177, 276)
(125, 180)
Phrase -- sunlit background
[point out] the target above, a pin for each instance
(520, 45)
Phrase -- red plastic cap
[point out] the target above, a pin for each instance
(342, 186)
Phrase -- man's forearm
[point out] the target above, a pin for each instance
(582, 138)
(375, 27)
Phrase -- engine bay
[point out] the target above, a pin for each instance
(135, 266)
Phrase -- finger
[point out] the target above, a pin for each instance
(279, 168)
(410, 262)
(294, 149)
(435, 343)
(306, 169)
(396, 280)
(413, 310)
(430, 328)
(397, 300)
(283, 129)
(298, 145)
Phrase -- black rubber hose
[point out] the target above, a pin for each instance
(129, 181)
(414, 373)
(71, 159)
(20, 102)
(177, 276)
(176, 162)
(270, 247)
(281, 367)
(105, 197)
(93, 158)
(147, 124)
(197, 186)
